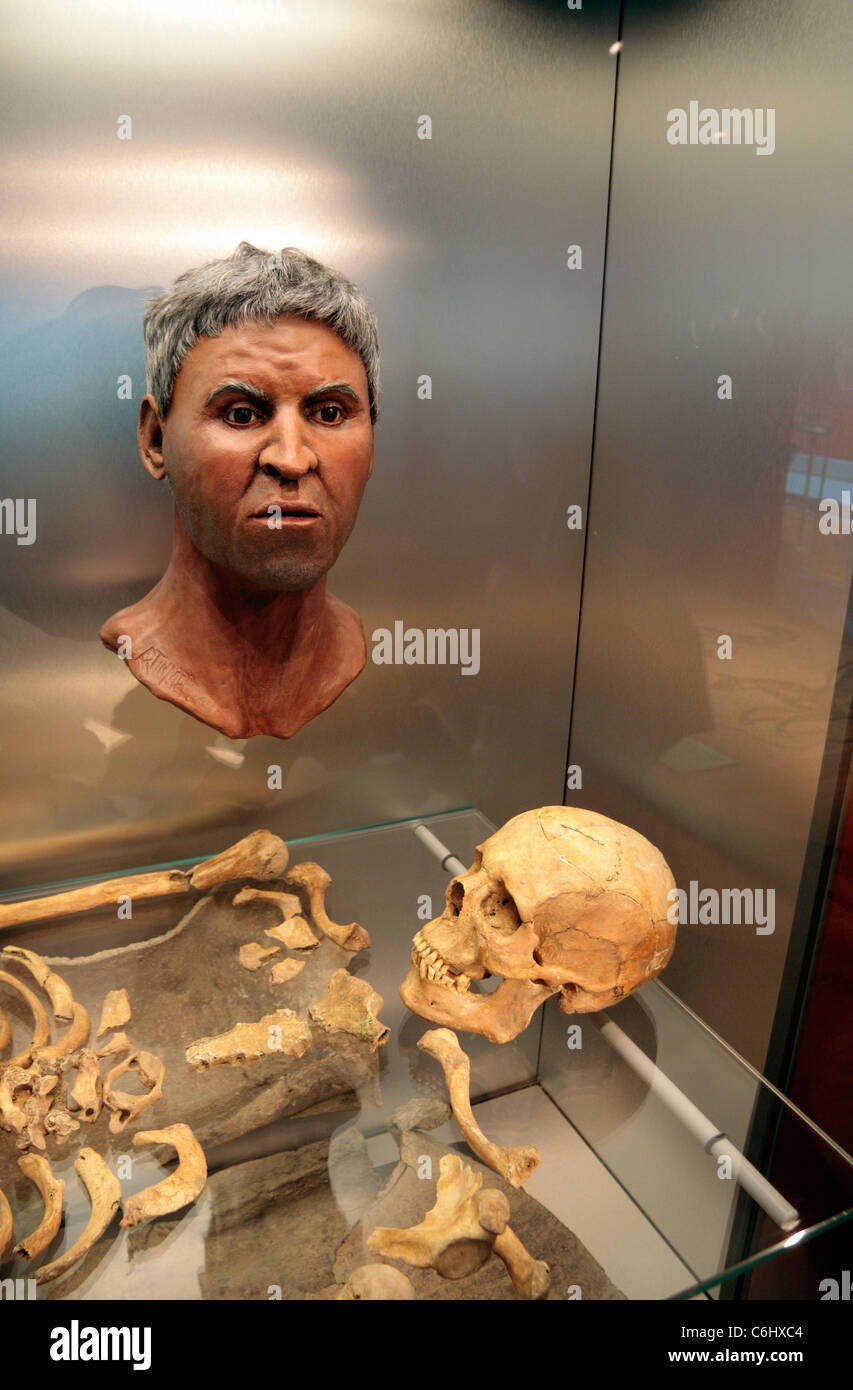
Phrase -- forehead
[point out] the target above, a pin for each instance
(290, 354)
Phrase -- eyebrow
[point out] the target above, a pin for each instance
(254, 393)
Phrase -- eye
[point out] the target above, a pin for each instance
(329, 413)
(242, 415)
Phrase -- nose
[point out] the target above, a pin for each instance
(286, 451)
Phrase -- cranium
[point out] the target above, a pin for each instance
(558, 900)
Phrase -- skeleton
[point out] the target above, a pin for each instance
(558, 901)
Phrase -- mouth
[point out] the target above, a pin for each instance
(431, 966)
(277, 514)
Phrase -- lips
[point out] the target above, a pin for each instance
(272, 510)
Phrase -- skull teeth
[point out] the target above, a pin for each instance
(431, 966)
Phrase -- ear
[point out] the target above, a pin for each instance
(149, 437)
(370, 469)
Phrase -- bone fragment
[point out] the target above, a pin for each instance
(6, 1227)
(12, 1117)
(60, 1123)
(126, 1107)
(41, 1025)
(5, 1031)
(283, 1031)
(295, 933)
(36, 1108)
(377, 1282)
(285, 970)
(531, 1278)
(288, 904)
(104, 1191)
(513, 1164)
(37, 1169)
(88, 1090)
(452, 1238)
(118, 1043)
(162, 883)
(115, 1012)
(57, 991)
(315, 881)
(180, 1188)
(76, 1036)
(260, 855)
(252, 956)
(352, 1006)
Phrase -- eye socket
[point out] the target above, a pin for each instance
(455, 897)
(500, 910)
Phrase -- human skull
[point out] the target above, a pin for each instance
(558, 900)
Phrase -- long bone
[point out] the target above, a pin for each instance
(104, 1191)
(41, 1025)
(37, 1169)
(76, 1036)
(261, 856)
(180, 1188)
(513, 1164)
(531, 1278)
(315, 881)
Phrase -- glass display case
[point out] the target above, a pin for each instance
(657, 1143)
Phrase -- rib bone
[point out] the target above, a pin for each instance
(57, 991)
(104, 1191)
(180, 1188)
(37, 1169)
(6, 1227)
(41, 1025)
(513, 1164)
(76, 1036)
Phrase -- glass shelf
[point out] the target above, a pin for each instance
(619, 1166)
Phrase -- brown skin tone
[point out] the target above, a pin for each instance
(267, 447)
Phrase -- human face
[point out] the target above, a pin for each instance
(268, 445)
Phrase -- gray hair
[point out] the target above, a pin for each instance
(254, 284)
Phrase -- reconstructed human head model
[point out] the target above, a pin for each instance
(558, 901)
(263, 375)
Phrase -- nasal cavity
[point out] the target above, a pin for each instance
(455, 897)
